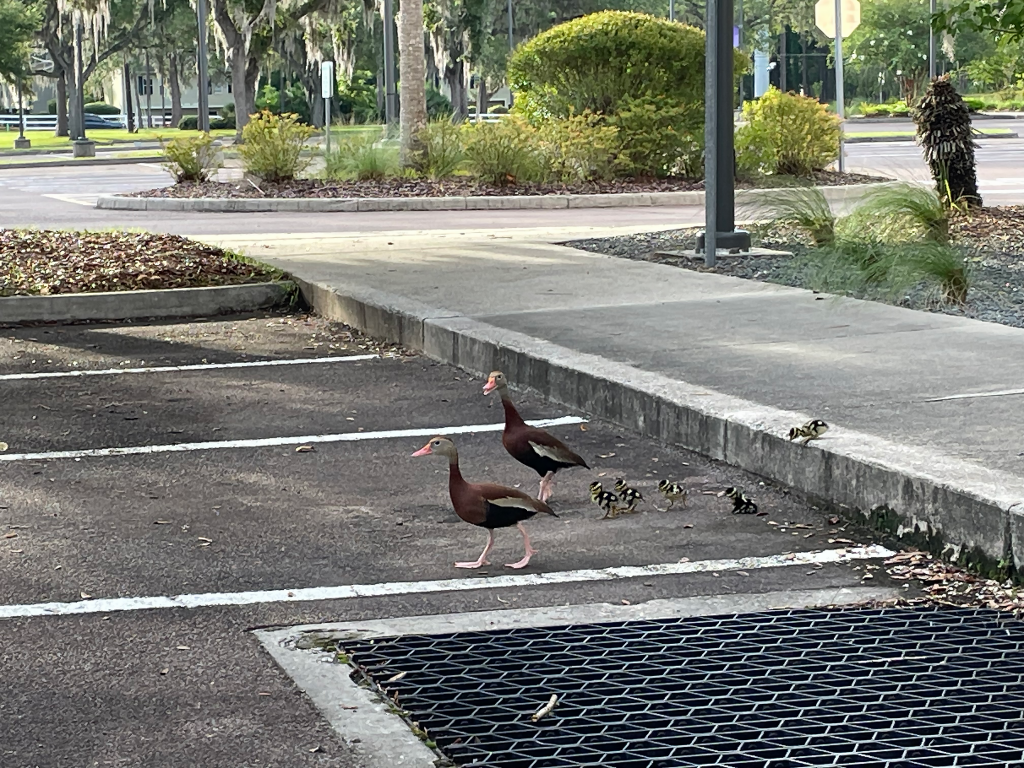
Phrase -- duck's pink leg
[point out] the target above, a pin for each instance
(529, 550)
(482, 560)
(546, 483)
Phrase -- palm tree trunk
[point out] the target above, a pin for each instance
(412, 71)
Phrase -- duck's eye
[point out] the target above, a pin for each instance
(437, 442)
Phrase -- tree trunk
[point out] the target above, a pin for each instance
(149, 93)
(242, 111)
(483, 98)
(804, 87)
(62, 104)
(782, 61)
(129, 112)
(455, 76)
(412, 72)
(174, 75)
(76, 122)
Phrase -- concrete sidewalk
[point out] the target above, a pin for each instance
(919, 441)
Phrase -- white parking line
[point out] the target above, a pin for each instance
(969, 395)
(393, 588)
(181, 368)
(264, 442)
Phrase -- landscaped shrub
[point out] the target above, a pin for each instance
(362, 157)
(786, 134)
(944, 132)
(804, 207)
(442, 149)
(504, 152)
(658, 138)
(101, 108)
(438, 105)
(596, 63)
(273, 146)
(189, 123)
(579, 148)
(192, 158)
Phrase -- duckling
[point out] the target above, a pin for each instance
(741, 503)
(813, 429)
(606, 500)
(630, 496)
(673, 492)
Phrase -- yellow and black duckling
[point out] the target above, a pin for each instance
(673, 492)
(629, 496)
(606, 500)
(741, 503)
(813, 429)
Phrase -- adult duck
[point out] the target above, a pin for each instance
(486, 505)
(541, 452)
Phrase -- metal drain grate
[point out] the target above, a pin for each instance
(782, 689)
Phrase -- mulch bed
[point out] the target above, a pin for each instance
(46, 262)
(454, 187)
(993, 237)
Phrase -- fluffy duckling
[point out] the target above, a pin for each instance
(673, 492)
(812, 430)
(606, 500)
(741, 503)
(630, 496)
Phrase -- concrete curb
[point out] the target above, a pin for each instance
(908, 139)
(130, 305)
(962, 511)
(495, 203)
(84, 162)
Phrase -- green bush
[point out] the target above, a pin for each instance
(497, 109)
(442, 149)
(188, 123)
(273, 145)
(191, 123)
(101, 108)
(658, 138)
(598, 63)
(579, 148)
(504, 152)
(900, 212)
(192, 158)
(786, 134)
(362, 157)
(438, 105)
(270, 99)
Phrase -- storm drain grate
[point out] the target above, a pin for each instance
(781, 689)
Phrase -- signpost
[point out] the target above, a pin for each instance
(327, 91)
(202, 65)
(837, 19)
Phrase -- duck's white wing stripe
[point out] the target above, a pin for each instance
(513, 501)
(550, 452)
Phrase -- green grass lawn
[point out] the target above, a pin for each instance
(102, 136)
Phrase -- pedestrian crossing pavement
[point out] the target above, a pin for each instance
(71, 185)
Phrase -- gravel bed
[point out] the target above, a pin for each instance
(46, 262)
(992, 239)
(454, 187)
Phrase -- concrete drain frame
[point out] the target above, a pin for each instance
(371, 725)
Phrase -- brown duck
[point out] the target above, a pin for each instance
(541, 452)
(486, 505)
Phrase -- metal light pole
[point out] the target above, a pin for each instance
(931, 42)
(719, 183)
(21, 142)
(390, 94)
(840, 88)
(672, 10)
(203, 117)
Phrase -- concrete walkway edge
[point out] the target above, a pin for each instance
(130, 305)
(961, 511)
(835, 194)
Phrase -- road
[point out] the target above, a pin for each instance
(63, 197)
(192, 506)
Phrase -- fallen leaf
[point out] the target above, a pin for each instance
(396, 678)
(688, 525)
(162, 522)
(85, 596)
(11, 535)
(626, 602)
(605, 455)
(304, 449)
(184, 648)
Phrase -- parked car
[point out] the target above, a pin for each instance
(99, 121)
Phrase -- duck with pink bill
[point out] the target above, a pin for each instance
(486, 505)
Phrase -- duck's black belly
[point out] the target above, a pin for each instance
(504, 517)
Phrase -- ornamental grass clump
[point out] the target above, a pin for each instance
(192, 158)
(945, 134)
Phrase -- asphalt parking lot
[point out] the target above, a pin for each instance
(130, 484)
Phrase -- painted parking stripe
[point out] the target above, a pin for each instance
(266, 442)
(393, 588)
(183, 368)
